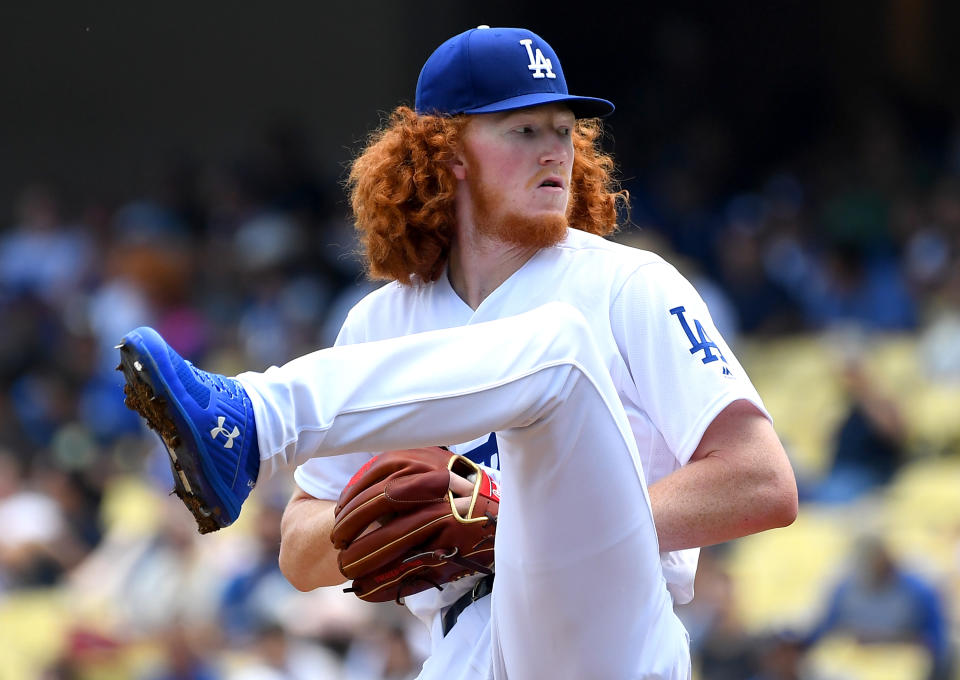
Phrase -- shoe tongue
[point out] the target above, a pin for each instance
(224, 383)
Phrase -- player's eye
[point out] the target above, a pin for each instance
(564, 131)
(524, 130)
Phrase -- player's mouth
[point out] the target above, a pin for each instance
(552, 183)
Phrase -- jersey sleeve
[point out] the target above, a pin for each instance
(324, 478)
(684, 371)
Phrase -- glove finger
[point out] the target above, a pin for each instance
(374, 475)
(381, 504)
(403, 536)
(380, 469)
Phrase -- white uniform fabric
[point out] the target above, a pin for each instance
(586, 396)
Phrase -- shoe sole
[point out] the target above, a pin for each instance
(190, 483)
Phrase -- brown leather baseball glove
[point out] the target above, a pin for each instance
(400, 529)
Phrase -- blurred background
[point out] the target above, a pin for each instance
(181, 165)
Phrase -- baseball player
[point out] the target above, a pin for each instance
(576, 371)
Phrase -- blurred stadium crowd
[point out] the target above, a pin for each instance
(836, 279)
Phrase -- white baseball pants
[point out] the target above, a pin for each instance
(579, 592)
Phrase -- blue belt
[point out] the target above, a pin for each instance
(483, 588)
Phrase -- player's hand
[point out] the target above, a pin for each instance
(462, 489)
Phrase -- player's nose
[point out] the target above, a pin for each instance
(556, 152)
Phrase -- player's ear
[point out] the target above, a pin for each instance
(459, 164)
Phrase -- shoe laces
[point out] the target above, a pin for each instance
(220, 383)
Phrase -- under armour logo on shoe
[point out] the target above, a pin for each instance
(220, 429)
(538, 63)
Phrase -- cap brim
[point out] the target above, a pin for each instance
(582, 107)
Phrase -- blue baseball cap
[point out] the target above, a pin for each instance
(485, 70)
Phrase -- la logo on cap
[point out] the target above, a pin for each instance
(538, 62)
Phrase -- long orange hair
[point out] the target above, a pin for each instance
(402, 189)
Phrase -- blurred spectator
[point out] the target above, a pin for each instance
(78, 496)
(718, 641)
(185, 657)
(168, 579)
(257, 595)
(278, 656)
(42, 399)
(382, 652)
(879, 601)
(41, 538)
(788, 248)
(40, 256)
(851, 286)
(84, 654)
(762, 304)
(781, 657)
(938, 344)
(148, 278)
(869, 443)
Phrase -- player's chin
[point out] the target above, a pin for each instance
(538, 230)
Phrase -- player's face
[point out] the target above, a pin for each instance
(517, 166)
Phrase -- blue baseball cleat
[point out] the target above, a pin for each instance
(204, 419)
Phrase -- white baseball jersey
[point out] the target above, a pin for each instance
(671, 369)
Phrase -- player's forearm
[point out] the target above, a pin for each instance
(692, 510)
(307, 557)
(740, 483)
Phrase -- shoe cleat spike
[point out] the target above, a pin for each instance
(185, 481)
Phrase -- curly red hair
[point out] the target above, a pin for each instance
(402, 188)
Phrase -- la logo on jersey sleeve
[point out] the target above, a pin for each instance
(699, 340)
